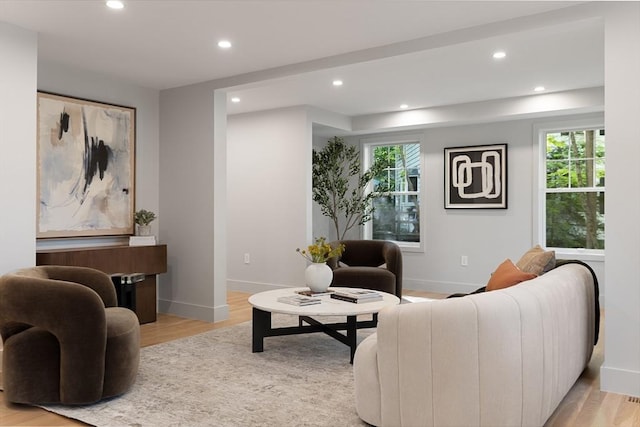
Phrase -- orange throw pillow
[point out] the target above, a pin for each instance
(507, 274)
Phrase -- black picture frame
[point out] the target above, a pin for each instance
(475, 177)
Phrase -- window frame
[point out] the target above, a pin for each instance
(540, 132)
(367, 146)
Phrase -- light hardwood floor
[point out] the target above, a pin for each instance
(584, 406)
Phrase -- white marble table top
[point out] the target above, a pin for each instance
(268, 301)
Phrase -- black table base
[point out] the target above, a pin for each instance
(262, 329)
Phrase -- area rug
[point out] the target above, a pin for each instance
(213, 379)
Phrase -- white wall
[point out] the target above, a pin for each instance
(620, 371)
(18, 81)
(53, 77)
(188, 175)
(269, 203)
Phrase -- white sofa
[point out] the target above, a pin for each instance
(499, 358)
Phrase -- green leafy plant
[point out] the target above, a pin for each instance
(575, 161)
(339, 185)
(321, 251)
(144, 217)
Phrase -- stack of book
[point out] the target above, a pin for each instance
(299, 300)
(357, 295)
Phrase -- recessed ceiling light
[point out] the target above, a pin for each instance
(403, 106)
(337, 82)
(224, 44)
(235, 99)
(538, 88)
(499, 54)
(115, 4)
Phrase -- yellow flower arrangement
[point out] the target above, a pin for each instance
(321, 251)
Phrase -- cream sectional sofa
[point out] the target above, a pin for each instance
(499, 358)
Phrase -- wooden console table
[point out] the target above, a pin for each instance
(150, 260)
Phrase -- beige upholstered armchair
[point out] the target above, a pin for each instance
(65, 341)
(368, 264)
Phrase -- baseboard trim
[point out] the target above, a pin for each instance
(194, 311)
(620, 381)
(252, 287)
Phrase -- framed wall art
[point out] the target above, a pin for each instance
(476, 177)
(86, 167)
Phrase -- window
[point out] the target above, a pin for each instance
(574, 188)
(397, 213)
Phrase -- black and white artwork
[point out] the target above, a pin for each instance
(86, 158)
(476, 177)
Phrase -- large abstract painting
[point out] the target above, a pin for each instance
(476, 177)
(86, 160)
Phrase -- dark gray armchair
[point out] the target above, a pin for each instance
(368, 264)
(65, 341)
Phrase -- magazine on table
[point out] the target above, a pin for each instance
(357, 295)
(310, 293)
(299, 300)
(356, 300)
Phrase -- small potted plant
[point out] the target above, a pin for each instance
(143, 218)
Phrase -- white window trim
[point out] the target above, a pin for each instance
(539, 185)
(366, 145)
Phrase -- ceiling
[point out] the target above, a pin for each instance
(386, 52)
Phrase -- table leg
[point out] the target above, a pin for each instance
(261, 324)
(352, 335)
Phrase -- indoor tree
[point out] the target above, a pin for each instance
(340, 185)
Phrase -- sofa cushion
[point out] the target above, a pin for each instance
(507, 274)
(537, 261)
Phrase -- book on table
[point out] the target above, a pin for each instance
(357, 295)
(310, 293)
(299, 300)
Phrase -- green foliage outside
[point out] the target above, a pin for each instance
(394, 176)
(397, 216)
(574, 206)
(339, 185)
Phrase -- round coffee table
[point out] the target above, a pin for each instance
(265, 303)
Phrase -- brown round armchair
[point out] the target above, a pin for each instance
(65, 341)
(368, 264)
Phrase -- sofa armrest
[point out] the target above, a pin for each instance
(74, 314)
(404, 362)
(367, 388)
(393, 258)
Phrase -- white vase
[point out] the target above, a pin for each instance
(318, 276)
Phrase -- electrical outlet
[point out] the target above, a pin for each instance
(464, 260)
(247, 258)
